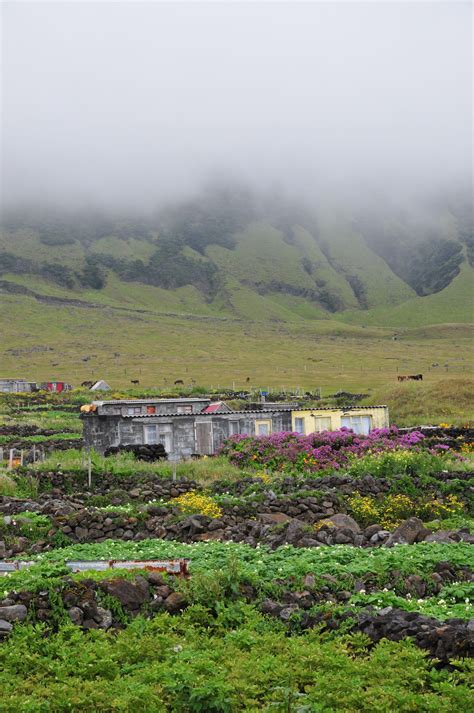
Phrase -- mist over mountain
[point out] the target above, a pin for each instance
(263, 160)
(127, 106)
(236, 248)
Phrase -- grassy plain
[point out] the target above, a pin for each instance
(42, 341)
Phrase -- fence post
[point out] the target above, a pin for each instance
(89, 471)
(10, 460)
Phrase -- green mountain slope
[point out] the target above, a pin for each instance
(230, 254)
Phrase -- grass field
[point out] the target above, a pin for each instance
(41, 341)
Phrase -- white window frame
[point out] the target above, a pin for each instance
(146, 430)
(184, 409)
(317, 424)
(263, 422)
(355, 421)
(300, 425)
(234, 428)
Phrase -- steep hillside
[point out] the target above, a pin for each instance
(230, 253)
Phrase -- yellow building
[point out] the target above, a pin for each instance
(361, 420)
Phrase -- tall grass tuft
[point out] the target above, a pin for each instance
(7, 485)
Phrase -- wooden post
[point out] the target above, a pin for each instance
(10, 460)
(89, 471)
(21, 457)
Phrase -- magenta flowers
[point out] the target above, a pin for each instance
(329, 450)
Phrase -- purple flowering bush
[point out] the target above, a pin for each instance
(327, 451)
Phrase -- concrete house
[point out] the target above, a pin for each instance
(361, 419)
(16, 386)
(186, 427)
(198, 426)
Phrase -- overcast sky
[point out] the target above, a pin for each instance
(129, 104)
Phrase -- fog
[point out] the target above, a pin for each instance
(129, 105)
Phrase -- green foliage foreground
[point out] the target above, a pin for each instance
(217, 568)
(239, 661)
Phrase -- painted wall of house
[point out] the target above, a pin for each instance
(182, 436)
(361, 420)
(16, 386)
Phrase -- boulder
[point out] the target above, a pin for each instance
(295, 531)
(195, 524)
(466, 537)
(81, 533)
(105, 618)
(5, 627)
(415, 584)
(406, 533)
(156, 579)
(273, 518)
(268, 606)
(76, 615)
(287, 612)
(339, 520)
(372, 530)
(131, 594)
(174, 603)
(442, 536)
(17, 612)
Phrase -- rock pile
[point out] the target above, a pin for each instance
(93, 604)
(148, 452)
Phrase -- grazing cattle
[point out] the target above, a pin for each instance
(179, 381)
(134, 381)
(247, 379)
(87, 384)
(402, 378)
(411, 377)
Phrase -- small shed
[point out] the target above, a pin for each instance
(16, 386)
(56, 386)
(100, 385)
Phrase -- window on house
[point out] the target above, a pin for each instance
(322, 423)
(263, 428)
(151, 434)
(359, 424)
(134, 411)
(234, 428)
(151, 409)
(184, 409)
(299, 425)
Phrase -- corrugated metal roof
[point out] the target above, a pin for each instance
(234, 413)
(150, 401)
(339, 408)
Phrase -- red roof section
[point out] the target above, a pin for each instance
(214, 407)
